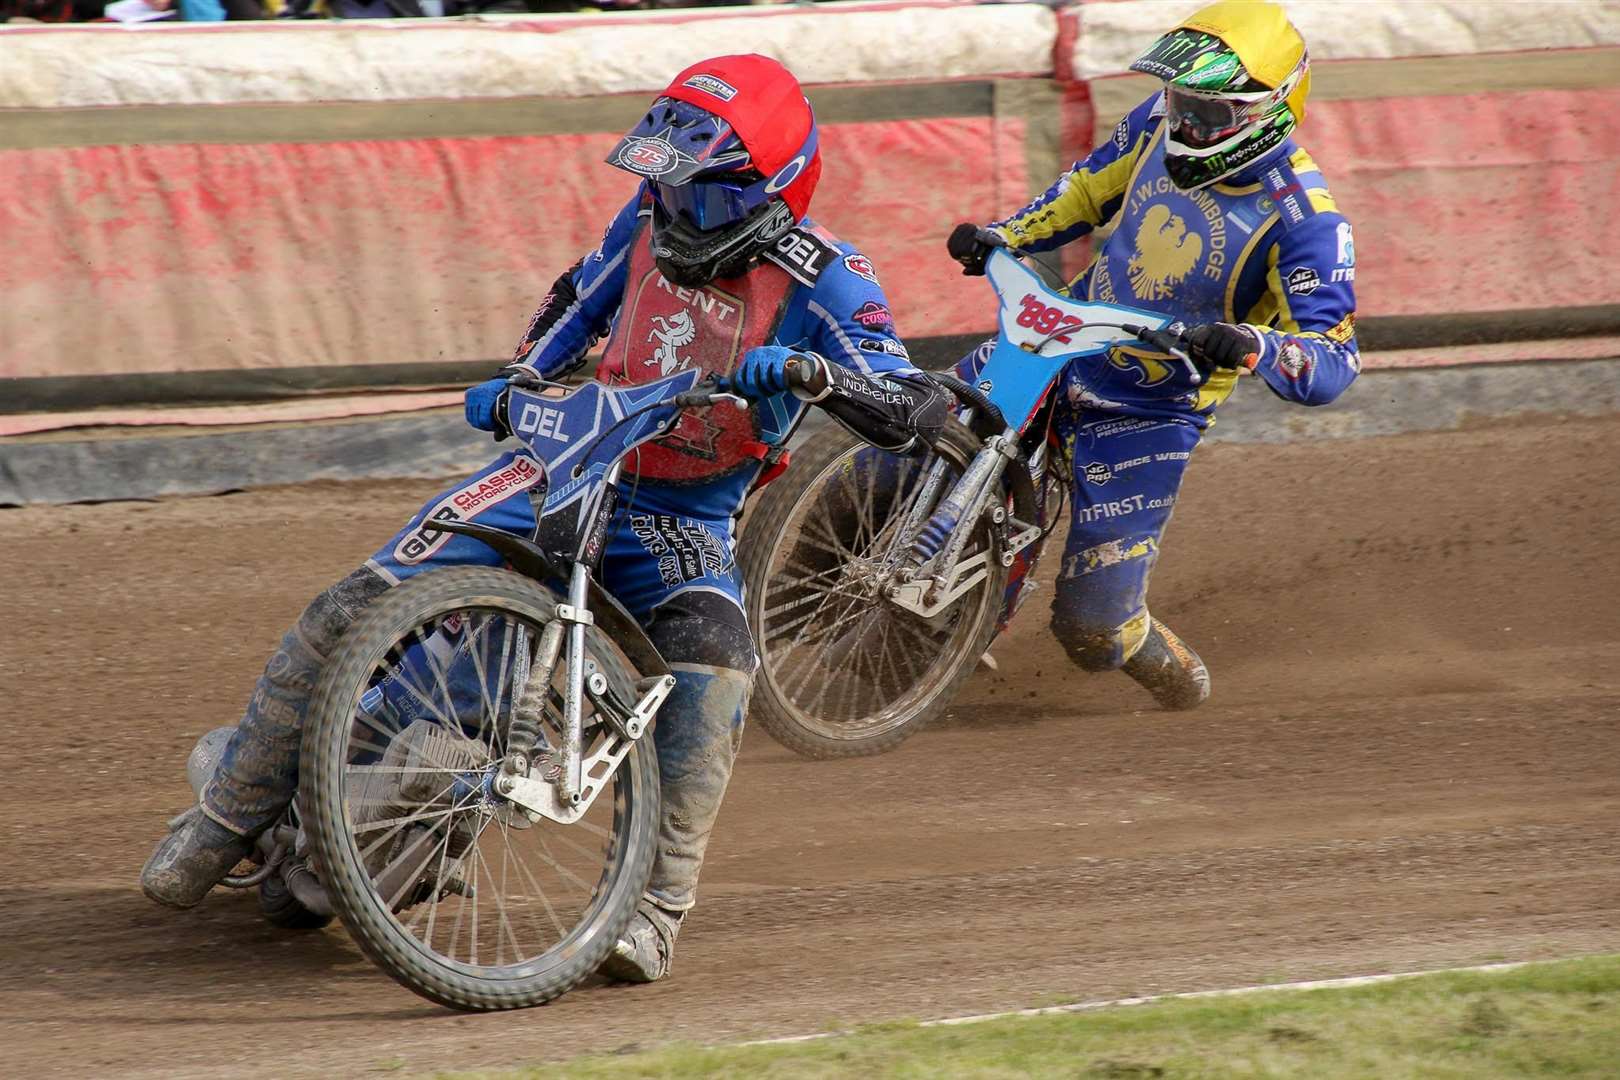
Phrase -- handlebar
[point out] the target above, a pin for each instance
(801, 370)
(1175, 341)
(1168, 340)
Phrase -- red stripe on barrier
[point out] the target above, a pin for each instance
(1476, 202)
(219, 257)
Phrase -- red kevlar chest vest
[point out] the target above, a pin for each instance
(664, 328)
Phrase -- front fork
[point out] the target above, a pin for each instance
(936, 575)
(580, 777)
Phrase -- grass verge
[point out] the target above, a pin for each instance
(1555, 1019)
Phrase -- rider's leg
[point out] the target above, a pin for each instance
(684, 568)
(258, 771)
(1127, 472)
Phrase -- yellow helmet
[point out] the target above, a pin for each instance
(1236, 77)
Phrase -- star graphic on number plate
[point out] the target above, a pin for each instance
(695, 435)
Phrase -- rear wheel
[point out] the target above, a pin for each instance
(449, 887)
(844, 671)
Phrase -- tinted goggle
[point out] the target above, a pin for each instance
(1205, 121)
(711, 203)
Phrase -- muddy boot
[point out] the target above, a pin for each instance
(706, 642)
(191, 860)
(645, 952)
(1169, 670)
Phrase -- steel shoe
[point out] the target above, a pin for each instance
(192, 859)
(1169, 670)
(645, 952)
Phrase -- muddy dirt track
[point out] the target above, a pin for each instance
(1412, 760)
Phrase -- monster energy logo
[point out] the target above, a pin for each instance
(1181, 45)
(1178, 46)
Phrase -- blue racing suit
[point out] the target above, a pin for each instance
(1267, 249)
(670, 557)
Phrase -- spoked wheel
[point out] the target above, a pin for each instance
(844, 671)
(452, 889)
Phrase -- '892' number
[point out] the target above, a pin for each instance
(1050, 321)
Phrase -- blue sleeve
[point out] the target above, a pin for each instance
(1090, 193)
(848, 321)
(580, 307)
(1308, 346)
(202, 11)
(872, 387)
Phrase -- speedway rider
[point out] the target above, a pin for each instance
(1223, 223)
(714, 264)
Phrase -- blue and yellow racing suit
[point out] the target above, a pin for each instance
(1269, 250)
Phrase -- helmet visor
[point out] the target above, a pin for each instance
(710, 203)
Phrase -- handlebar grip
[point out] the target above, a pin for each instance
(800, 371)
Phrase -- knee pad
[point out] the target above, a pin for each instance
(1099, 648)
(330, 613)
(304, 649)
(706, 628)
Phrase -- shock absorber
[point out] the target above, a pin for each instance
(528, 708)
(935, 531)
(968, 492)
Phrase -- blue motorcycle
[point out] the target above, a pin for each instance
(478, 792)
(876, 583)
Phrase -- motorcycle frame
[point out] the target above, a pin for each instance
(577, 436)
(1018, 379)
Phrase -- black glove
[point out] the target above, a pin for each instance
(970, 245)
(1222, 345)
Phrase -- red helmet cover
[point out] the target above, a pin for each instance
(765, 106)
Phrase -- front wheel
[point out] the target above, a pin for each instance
(845, 672)
(450, 888)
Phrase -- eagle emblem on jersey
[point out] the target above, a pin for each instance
(1149, 368)
(672, 333)
(1165, 254)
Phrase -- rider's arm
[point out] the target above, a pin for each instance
(580, 307)
(1090, 193)
(867, 381)
(1307, 317)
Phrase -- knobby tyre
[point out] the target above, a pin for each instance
(843, 671)
(447, 887)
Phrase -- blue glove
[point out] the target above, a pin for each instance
(763, 372)
(486, 408)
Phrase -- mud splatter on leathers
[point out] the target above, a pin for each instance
(670, 556)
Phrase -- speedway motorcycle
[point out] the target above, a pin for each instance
(478, 793)
(875, 583)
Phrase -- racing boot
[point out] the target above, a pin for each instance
(192, 859)
(178, 873)
(698, 732)
(697, 735)
(1169, 670)
(645, 951)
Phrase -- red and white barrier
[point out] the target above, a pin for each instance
(1468, 142)
(232, 209)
